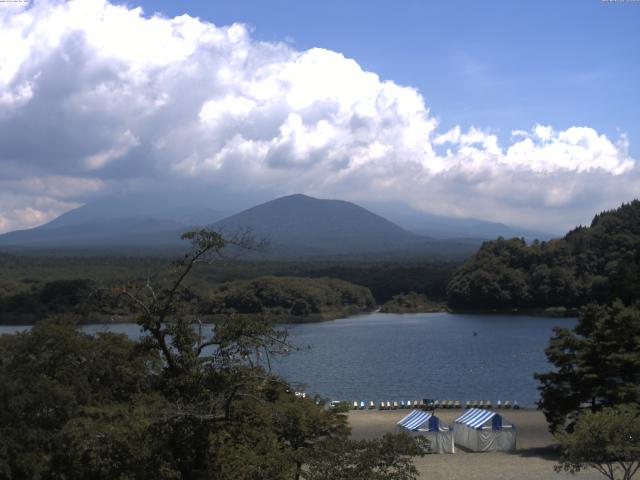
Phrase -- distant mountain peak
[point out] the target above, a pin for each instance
(319, 225)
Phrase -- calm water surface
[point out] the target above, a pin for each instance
(412, 356)
(401, 357)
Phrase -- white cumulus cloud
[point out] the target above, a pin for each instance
(106, 96)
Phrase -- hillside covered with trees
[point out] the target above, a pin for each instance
(291, 298)
(597, 263)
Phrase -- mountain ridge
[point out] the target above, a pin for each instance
(299, 226)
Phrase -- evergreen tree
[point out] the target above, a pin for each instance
(597, 364)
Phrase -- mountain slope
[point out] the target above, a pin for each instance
(131, 221)
(438, 226)
(324, 224)
(297, 226)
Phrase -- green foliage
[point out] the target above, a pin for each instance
(24, 278)
(386, 458)
(54, 376)
(608, 441)
(599, 263)
(597, 364)
(411, 302)
(283, 298)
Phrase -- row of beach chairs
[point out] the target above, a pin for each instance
(401, 404)
(362, 405)
(488, 404)
(422, 404)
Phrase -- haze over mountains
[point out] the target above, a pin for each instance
(298, 226)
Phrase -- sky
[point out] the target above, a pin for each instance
(519, 112)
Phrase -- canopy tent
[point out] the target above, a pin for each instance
(427, 425)
(484, 431)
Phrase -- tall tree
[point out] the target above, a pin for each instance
(597, 364)
(607, 441)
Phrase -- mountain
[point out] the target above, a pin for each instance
(297, 227)
(438, 226)
(139, 220)
(322, 224)
(302, 226)
(161, 207)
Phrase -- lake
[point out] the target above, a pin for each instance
(412, 356)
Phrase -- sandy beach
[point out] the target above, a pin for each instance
(533, 459)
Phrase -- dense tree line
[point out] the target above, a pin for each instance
(32, 288)
(411, 302)
(596, 263)
(31, 301)
(290, 298)
(279, 298)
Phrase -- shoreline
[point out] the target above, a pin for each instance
(105, 319)
(548, 312)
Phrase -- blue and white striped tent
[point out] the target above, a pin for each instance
(419, 420)
(425, 424)
(484, 431)
(476, 418)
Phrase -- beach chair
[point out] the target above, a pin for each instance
(488, 404)
(409, 403)
(468, 404)
(458, 404)
(381, 407)
(515, 405)
(389, 406)
(372, 405)
(395, 405)
(507, 404)
(402, 404)
(436, 404)
(421, 404)
(480, 404)
(474, 404)
(362, 405)
(355, 405)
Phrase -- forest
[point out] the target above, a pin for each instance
(595, 263)
(34, 287)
